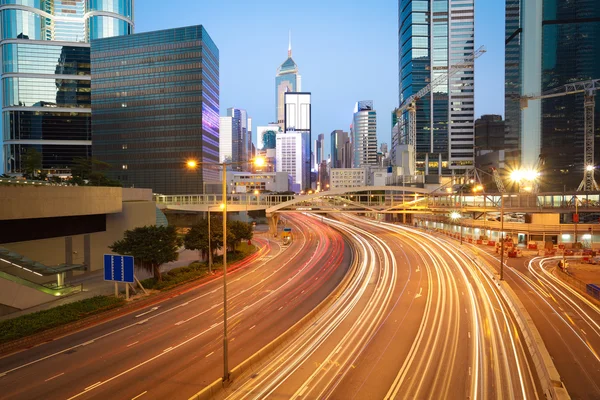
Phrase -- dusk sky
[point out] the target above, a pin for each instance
(346, 51)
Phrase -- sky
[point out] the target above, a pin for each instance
(346, 51)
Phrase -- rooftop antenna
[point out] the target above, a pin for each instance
(290, 45)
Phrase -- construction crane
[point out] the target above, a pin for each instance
(588, 88)
(410, 104)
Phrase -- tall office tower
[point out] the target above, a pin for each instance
(364, 131)
(250, 153)
(290, 156)
(46, 77)
(145, 133)
(319, 150)
(265, 136)
(229, 128)
(341, 150)
(286, 80)
(297, 118)
(239, 144)
(550, 44)
(432, 35)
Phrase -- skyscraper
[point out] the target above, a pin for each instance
(364, 134)
(229, 127)
(155, 99)
(286, 80)
(319, 150)
(432, 36)
(46, 77)
(239, 139)
(265, 136)
(297, 118)
(290, 156)
(550, 44)
(341, 150)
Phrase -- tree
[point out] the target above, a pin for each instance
(151, 246)
(236, 231)
(89, 171)
(31, 163)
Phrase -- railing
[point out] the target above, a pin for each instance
(590, 289)
(48, 290)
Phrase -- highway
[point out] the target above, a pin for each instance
(174, 348)
(568, 322)
(419, 319)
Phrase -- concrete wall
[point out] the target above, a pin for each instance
(53, 251)
(20, 297)
(545, 219)
(24, 202)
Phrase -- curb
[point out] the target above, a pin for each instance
(547, 373)
(58, 332)
(252, 363)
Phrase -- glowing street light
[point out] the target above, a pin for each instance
(455, 216)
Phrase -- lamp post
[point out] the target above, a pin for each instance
(259, 162)
(455, 216)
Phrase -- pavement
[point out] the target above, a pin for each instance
(93, 283)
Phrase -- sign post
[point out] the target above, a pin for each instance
(118, 269)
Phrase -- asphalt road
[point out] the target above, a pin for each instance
(568, 322)
(174, 349)
(418, 320)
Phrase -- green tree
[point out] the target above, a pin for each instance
(90, 171)
(236, 231)
(151, 246)
(31, 163)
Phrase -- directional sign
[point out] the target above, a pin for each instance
(118, 268)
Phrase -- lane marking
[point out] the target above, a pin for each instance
(469, 334)
(213, 325)
(93, 386)
(179, 323)
(139, 395)
(302, 391)
(55, 376)
(252, 327)
(142, 322)
(149, 311)
(168, 349)
(131, 344)
(86, 343)
(419, 294)
(209, 354)
(279, 309)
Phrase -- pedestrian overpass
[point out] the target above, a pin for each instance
(387, 200)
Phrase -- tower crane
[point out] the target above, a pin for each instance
(410, 104)
(588, 88)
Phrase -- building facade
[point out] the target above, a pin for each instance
(155, 102)
(46, 103)
(347, 177)
(550, 44)
(297, 118)
(290, 157)
(432, 36)
(229, 128)
(240, 148)
(264, 182)
(266, 136)
(319, 150)
(286, 80)
(364, 134)
(341, 149)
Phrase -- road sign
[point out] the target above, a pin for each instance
(118, 268)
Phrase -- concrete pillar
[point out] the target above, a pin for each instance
(273, 222)
(60, 279)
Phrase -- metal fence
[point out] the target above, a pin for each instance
(590, 289)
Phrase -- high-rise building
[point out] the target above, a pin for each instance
(286, 80)
(229, 128)
(239, 140)
(319, 150)
(46, 77)
(550, 44)
(298, 119)
(341, 149)
(266, 136)
(290, 156)
(364, 134)
(432, 36)
(155, 100)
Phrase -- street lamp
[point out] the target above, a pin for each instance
(193, 164)
(455, 216)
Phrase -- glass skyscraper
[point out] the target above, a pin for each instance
(46, 100)
(434, 34)
(364, 134)
(155, 100)
(287, 80)
(551, 43)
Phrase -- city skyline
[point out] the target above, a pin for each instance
(327, 54)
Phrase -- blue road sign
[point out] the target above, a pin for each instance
(118, 268)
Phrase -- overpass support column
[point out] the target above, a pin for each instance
(273, 222)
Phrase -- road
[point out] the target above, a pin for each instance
(567, 321)
(174, 349)
(418, 320)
